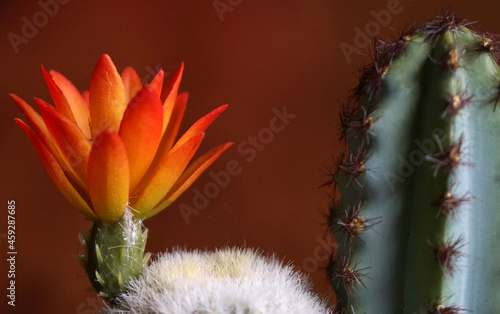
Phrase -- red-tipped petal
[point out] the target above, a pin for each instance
(157, 83)
(174, 123)
(40, 129)
(131, 82)
(57, 175)
(169, 93)
(107, 97)
(71, 144)
(77, 103)
(140, 132)
(58, 97)
(165, 176)
(168, 137)
(187, 178)
(34, 119)
(108, 176)
(200, 126)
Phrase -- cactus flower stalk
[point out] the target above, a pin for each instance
(112, 153)
(419, 215)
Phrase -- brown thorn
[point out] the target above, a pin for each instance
(350, 276)
(354, 167)
(449, 159)
(456, 103)
(490, 43)
(449, 204)
(371, 75)
(395, 47)
(353, 223)
(446, 21)
(436, 307)
(448, 253)
(346, 117)
(358, 127)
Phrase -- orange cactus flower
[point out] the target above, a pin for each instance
(114, 146)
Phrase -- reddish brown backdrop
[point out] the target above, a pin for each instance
(262, 55)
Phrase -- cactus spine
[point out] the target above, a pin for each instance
(418, 223)
(114, 255)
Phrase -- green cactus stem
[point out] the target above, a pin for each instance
(418, 222)
(114, 255)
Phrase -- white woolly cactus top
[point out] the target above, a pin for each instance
(230, 280)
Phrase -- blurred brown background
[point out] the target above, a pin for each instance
(253, 55)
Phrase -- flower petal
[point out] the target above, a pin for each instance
(140, 132)
(72, 145)
(187, 178)
(86, 96)
(34, 119)
(131, 82)
(40, 129)
(174, 122)
(107, 97)
(56, 174)
(58, 97)
(157, 82)
(77, 103)
(169, 93)
(165, 176)
(200, 126)
(108, 176)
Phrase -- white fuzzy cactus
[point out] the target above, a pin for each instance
(230, 280)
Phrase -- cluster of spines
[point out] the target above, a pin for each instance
(356, 123)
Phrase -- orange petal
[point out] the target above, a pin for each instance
(72, 145)
(35, 120)
(40, 129)
(57, 175)
(187, 178)
(174, 122)
(108, 100)
(108, 176)
(86, 96)
(165, 176)
(157, 83)
(140, 132)
(58, 97)
(131, 82)
(169, 93)
(77, 103)
(200, 126)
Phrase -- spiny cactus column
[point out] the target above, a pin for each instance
(419, 218)
(114, 255)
